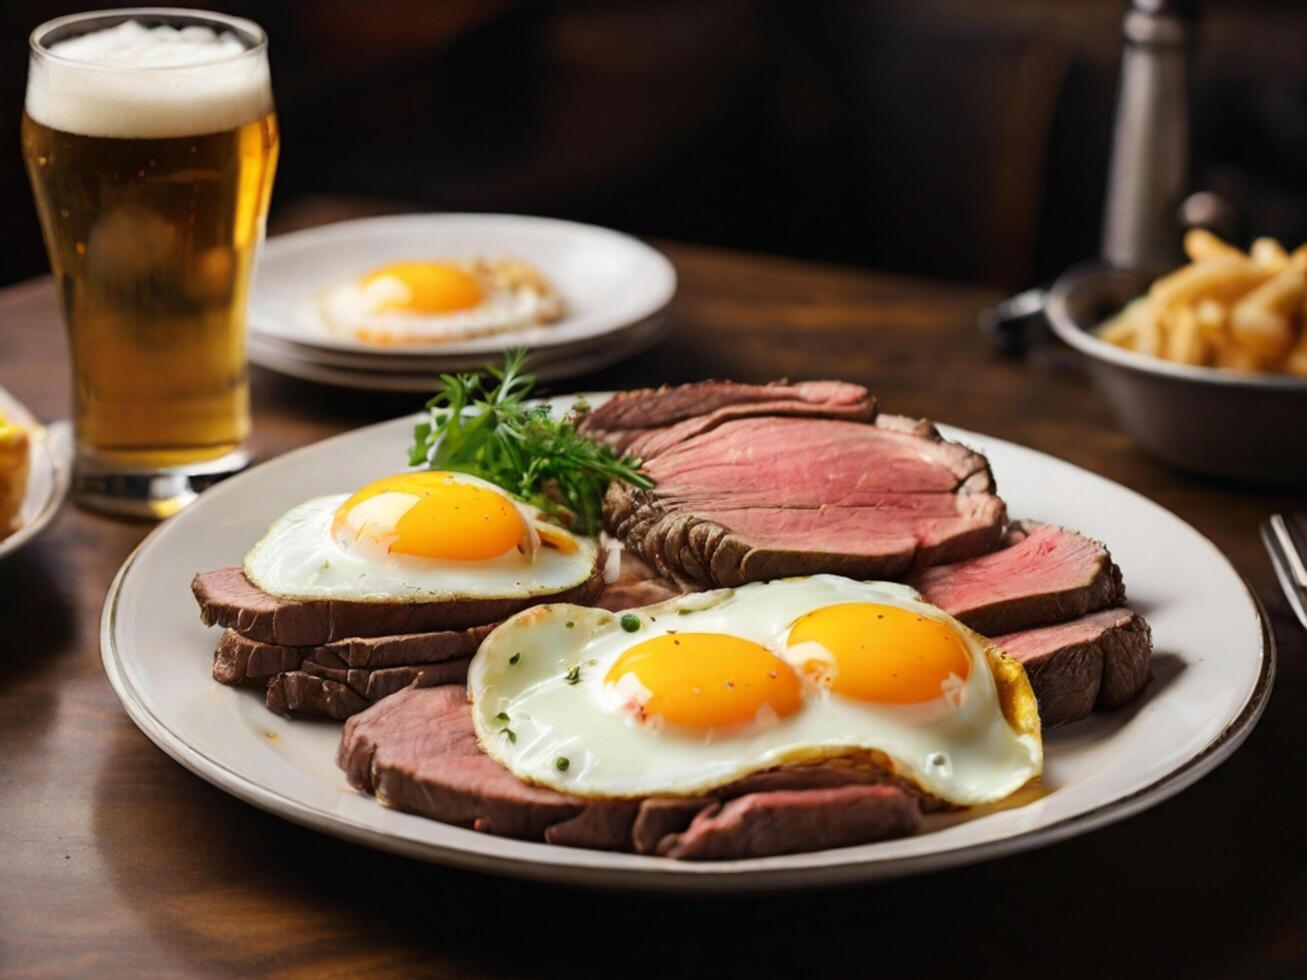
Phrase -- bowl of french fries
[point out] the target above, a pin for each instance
(1205, 366)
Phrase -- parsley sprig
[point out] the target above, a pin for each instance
(487, 429)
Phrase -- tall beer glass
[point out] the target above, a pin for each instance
(150, 140)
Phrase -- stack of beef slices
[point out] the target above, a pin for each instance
(755, 482)
(758, 482)
(330, 658)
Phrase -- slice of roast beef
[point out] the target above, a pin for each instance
(227, 598)
(1097, 661)
(319, 690)
(246, 659)
(634, 594)
(636, 584)
(660, 818)
(1050, 575)
(788, 821)
(601, 827)
(646, 421)
(417, 751)
(240, 660)
(405, 649)
(297, 693)
(762, 498)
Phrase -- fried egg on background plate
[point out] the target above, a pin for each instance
(696, 692)
(418, 537)
(434, 301)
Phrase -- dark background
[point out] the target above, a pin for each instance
(958, 139)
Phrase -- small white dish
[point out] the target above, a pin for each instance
(50, 475)
(608, 281)
(1214, 667)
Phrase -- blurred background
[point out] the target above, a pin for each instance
(956, 139)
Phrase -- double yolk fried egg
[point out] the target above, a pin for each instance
(421, 302)
(692, 694)
(418, 537)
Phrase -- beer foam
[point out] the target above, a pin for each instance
(136, 82)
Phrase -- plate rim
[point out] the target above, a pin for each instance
(686, 877)
(436, 363)
(620, 346)
(671, 281)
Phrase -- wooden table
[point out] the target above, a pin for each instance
(116, 861)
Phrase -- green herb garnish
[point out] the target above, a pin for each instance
(561, 763)
(630, 622)
(503, 719)
(488, 430)
(514, 659)
(573, 676)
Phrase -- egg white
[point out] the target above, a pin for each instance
(964, 757)
(300, 558)
(351, 308)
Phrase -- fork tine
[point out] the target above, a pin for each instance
(1296, 521)
(1282, 573)
(1289, 549)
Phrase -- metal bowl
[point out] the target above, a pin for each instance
(1250, 427)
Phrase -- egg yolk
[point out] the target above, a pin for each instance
(705, 681)
(431, 515)
(433, 287)
(874, 652)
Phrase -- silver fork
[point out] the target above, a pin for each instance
(1285, 538)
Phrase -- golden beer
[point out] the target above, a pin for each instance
(152, 184)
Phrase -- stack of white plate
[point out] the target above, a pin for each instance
(615, 290)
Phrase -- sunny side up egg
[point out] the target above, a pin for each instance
(430, 301)
(697, 692)
(418, 537)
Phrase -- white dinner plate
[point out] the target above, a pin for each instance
(1213, 668)
(49, 476)
(608, 281)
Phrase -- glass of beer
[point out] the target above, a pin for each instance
(150, 139)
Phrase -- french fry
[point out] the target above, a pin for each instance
(1148, 332)
(1269, 254)
(1133, 326)
(1184, 343)
(1201, 245)
(1233, 356)
(1263, 320)
(1210, 314)
(1224, 279)
(1119, 330)
(1296, 363)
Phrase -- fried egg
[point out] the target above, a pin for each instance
(697, 692)
(419, 302)
(418, 537)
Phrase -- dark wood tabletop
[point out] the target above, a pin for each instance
(116, 861)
